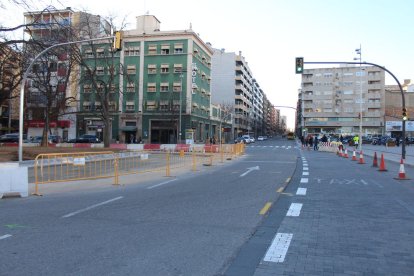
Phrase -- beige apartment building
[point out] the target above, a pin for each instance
(332, 100)
(393, 108)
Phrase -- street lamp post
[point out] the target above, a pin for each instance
(25, 76)
(179, 134)
(359, 52)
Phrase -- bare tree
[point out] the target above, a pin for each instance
(100, 73)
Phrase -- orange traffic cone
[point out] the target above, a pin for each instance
(340, 153)
(354, 158)
(346, 154)
(375, 162)
(382, 164)
(401, 174)
(361, 158)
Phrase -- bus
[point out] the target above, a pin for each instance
(291, 136)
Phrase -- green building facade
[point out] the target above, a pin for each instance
(161, 90)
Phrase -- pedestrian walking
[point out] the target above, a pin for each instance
(310, 142)
(315, 143)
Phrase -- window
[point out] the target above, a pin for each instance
(152, 49)
(349, 110)
(112, 106)
(151, 87)
(151, 105)
(87, 88)
(100, 52)
(88, 53)
(112, 88)
(130, 87)
(111, 70)
(131, 70)
(135, 51)
(177, 87)
(100, 87)
(178, 68)
(178, 48)
(100, 71)
(132, 51)
(348, 92)
(164, 105)
(130, 106)
(152, 68)
(165, 68)
(165, 87)
(176, 105)
(328, 75)
(98, 106)
(86, 106)
(165, 49)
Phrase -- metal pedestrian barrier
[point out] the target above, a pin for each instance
(65, 167)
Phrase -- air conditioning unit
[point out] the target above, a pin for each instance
(89, 122)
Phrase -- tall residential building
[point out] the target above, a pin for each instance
(333, 99)
(52, 26)
(233, 85)
(162, 92)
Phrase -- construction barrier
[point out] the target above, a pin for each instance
(329, 146)
(61, 167)
(64, 167)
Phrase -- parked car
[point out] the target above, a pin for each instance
(260, 138)
(249, 139)
(51, 139)
(12, 138)
(86, 138)
(239, 140)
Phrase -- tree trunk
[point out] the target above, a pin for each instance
(45, 142)
(107, 132)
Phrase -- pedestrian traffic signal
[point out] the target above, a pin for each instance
(299, 65)
(117, 41)
(404, 114)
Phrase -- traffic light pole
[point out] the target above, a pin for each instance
(386, 70)
(23, 84)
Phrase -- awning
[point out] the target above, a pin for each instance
(128, 128)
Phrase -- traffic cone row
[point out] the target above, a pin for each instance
(382, 168)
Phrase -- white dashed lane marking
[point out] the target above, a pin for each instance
(294, 210)
(5, 236)
(277, 250)
(301, 191)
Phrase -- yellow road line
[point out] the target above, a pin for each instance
(280, 189)
(265, 208)
(288, 180)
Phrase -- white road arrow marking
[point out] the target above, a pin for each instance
(249, 170)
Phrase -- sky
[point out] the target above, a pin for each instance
(271, 33)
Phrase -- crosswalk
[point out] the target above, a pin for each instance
(271, 147)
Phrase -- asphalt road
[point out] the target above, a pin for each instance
(193, 224)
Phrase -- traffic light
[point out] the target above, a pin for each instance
(299, 65)
(404, 114)
(117, 41)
